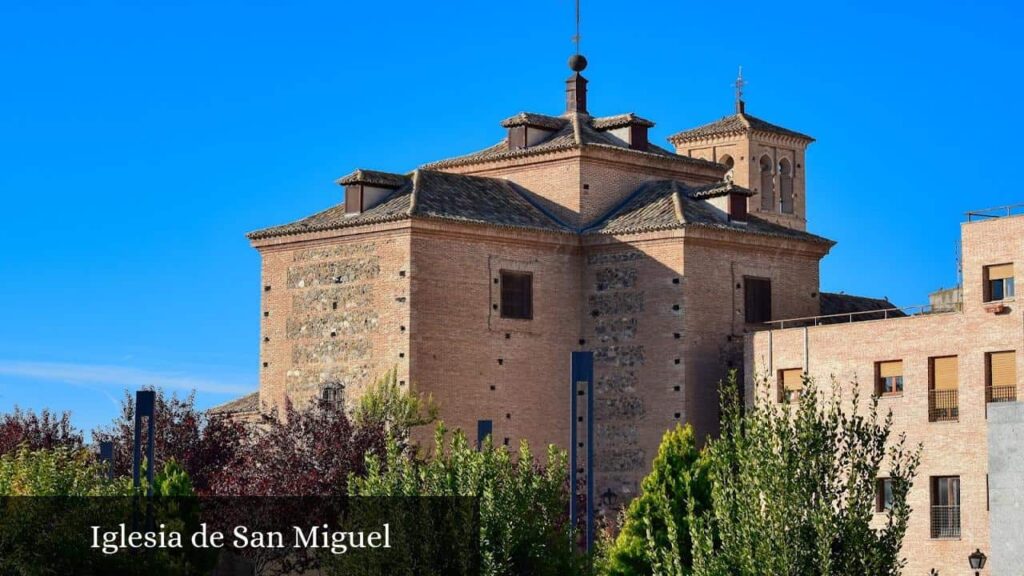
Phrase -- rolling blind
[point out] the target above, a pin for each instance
(890, 369)
(792, 379)
(1000, 272)
(1003, 366)
(944, 373)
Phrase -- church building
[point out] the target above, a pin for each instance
(475, 277)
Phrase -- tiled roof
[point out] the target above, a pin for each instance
(838, 303)
(430, 194)
(373, 177)
(538, 120)
(667, 204)
(735, 124)
(577, 131)
(609, 122)
(716, 189)
(247, 403)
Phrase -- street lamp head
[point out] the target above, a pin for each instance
(977, 559)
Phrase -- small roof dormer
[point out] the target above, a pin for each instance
(629, 128)
(365, 189)
(526, 129)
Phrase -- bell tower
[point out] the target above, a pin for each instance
(761, 156)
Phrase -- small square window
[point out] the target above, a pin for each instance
(516, 295)
(999, 282)
(889, 378)
(791, 384)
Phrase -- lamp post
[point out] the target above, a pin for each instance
(977, 560)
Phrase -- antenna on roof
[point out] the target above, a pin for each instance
(740, 83)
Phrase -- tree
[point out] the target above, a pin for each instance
(310, 452)
(201, 443)
(45, 431)
(385, 403)
(523, 517)
(655, 531)
(793, 488)
(56, 472)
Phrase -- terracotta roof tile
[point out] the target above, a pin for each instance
(735, 124)
(373, 178)
(609, 122)
(247, 403)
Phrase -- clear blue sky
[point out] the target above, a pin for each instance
(139, 141)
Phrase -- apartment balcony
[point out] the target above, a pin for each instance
(1000, 393)
(945, 521)
(943, 405)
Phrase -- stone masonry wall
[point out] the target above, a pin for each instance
(333, 312)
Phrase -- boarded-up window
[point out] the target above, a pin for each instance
(738, 207)
(945, 373)
(353, 199)
(1002, 377)
(517, 137)
(757, 300)
(999, 282)
(516, 295)
(791, 382)
(890, 377)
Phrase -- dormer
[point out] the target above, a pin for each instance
(525, 129)
(365, 189)
(726, 198)
(629, 128)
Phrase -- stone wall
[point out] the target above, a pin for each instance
(1006, 487)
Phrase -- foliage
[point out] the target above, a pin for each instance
(523, 506)
(655, 533)
(57, 472)
(385, 403)
(794, 488)
(202, 444)
(43, 431)
(310, 452)
(173, 481)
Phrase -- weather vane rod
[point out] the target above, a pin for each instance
(740, 83)
(576, 38)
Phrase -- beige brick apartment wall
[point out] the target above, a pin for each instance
(334, 308)
(477, 365)
(849, 353)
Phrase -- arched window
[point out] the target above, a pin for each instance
(767, 185)
(728, 162)
(786, 185)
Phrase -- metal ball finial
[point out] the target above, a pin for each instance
(577, 63)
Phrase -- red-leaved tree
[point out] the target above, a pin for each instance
(43, 431)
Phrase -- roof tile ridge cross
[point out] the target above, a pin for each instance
(577, 130)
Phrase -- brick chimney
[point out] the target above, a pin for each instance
(576, 87)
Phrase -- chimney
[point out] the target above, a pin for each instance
(576, 87)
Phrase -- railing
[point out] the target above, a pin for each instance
(1000, 393)
(943, 405)
(997, 212)
(945, 521)
(846, 317)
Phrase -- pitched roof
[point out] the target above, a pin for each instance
(839, 303)
(739, 123)
(630, 119)
(373, 178)
(430, 194)
(667, 204)
(530, 119)
(247, 403)
(575, 131)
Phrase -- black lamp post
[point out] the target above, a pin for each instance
(977, 560)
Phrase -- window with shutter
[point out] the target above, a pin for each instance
(889, 381)
(883, 494)
(757, 300)
(1002, 377)
(943, 394)
(353, 199)
(516, 295)
(791, 383)
(999, 282)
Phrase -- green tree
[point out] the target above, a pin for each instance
(523, 521)
(173, 481)
(793, 488)
(57, 472)
(655, 532)
(386, 403)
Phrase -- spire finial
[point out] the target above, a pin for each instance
(577, 37)
(740, 83)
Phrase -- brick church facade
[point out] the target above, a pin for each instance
(476, 276)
